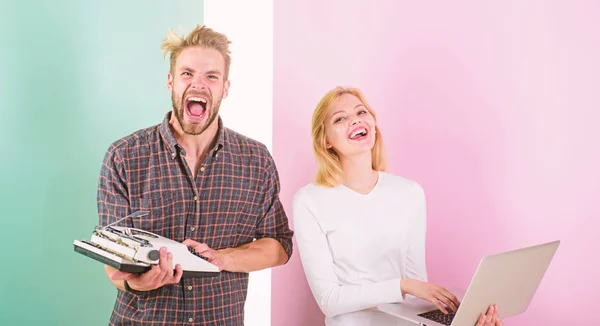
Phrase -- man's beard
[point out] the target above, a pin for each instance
(192, 128)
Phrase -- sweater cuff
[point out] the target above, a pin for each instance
(391, 292)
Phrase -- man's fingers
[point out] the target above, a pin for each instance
(178, 274)
(201, 249)
(168, 271)
(192, 243)
(163, 265)
(162, 260)
(146, 281)
(160, 274)
(169, 259)
(152, 277)
(210, 254)
(198, 247)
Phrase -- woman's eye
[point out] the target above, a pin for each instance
(338, 119)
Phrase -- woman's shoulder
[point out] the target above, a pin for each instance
(311, 190)
(400, 182)
(313, 194)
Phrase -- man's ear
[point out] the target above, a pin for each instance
(170, 82)
(226, 88)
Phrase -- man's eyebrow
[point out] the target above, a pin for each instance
(213, 72)
(186, 68)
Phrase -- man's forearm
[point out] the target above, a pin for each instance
(257, 255)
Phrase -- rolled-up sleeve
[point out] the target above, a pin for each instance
(274, 222)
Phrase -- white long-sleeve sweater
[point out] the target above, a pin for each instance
(355, 248)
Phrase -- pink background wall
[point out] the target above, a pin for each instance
(493, 107)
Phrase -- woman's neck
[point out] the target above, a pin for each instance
(358, 173)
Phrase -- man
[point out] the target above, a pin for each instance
(205, 185)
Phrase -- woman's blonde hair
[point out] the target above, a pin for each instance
(330, 172)
(202, 36)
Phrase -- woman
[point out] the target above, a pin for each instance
(361, 231)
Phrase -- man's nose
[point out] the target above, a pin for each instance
(198, 83)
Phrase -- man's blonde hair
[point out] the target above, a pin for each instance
(330, 172)
(202, 36)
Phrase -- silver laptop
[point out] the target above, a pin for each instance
(508, 279)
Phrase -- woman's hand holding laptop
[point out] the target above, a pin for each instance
(430, 292)
(491, 318)
(437, 295)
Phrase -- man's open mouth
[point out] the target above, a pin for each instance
(195, 107)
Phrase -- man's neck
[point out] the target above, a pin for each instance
(195, 145)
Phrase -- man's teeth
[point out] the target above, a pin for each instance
(197, 99)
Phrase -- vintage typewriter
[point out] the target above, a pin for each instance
(135, 251)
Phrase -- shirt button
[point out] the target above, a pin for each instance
(173, 155)
(191, 320)
(201, 169)
(190, 287)
(192, 229)
(195, 198)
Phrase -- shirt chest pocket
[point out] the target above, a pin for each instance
(165, 215)
(247, 212)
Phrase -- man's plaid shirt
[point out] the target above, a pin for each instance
(233, 200)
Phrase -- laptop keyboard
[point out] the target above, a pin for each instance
(438, 316)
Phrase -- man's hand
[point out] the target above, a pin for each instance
(155, 278)
(430, 292)
(218, 258)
